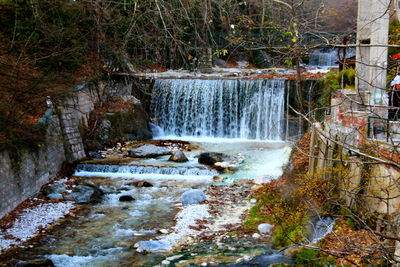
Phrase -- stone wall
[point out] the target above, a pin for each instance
(24, 172)
(373, 187)
(75, 109)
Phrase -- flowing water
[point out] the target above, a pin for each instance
(323, 59)
(246, 109)
(244, 118)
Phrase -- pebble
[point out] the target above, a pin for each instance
(165, 262)
(163, 231)
(256, 236)
(253, 200)
(204, 264)
(172, 258)
(264, 228)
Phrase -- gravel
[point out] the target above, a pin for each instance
(31, 221)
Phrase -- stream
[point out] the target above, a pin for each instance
(243, 119)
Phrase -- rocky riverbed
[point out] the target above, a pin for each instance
(130, 210)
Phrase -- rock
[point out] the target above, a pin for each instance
(163, 231)
(261, 180)
(223, 165)
(153, 246)
(126, 198)
(262, 59)
(56, 188)
(54, 196)
(36, 263)
(242, 64)
(220, 63)
(165, 262)
(173, 258)
(83, 194)
(148, 151)
(253, 200)
(256, 236)
(140, 184)
(93, 145)
(94, 155)
(178, 156)
(210, 158)
(218, 179)
(103, 132)
(144, 184)
(193, 196)
(264, 228)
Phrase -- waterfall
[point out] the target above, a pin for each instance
(246, 109)
(322, 59)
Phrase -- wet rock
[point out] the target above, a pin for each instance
(148, 151)
(140, 184)
(83, 194)
(126, 198)
(210, 158)
(225, 167)
(178, 156)
(57, 188)
(36, 263)
(165, 262)
(193, 196)
(265, 228)
(153, 246)
(94, 155)
(218, 179)
(54, 196)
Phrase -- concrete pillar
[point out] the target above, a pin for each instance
(372, 52)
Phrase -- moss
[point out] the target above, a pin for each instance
(310, 257)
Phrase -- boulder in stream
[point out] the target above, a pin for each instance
(56, 188)
(33, 263)
(178, 156)
(210, 158)
(83, 194)
(148, 151)
(193, 196)
(126, 198)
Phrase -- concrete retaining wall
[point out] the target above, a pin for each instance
(23, 173)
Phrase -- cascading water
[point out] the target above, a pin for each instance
(321, 59)
(132, 169)
(245, 109)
